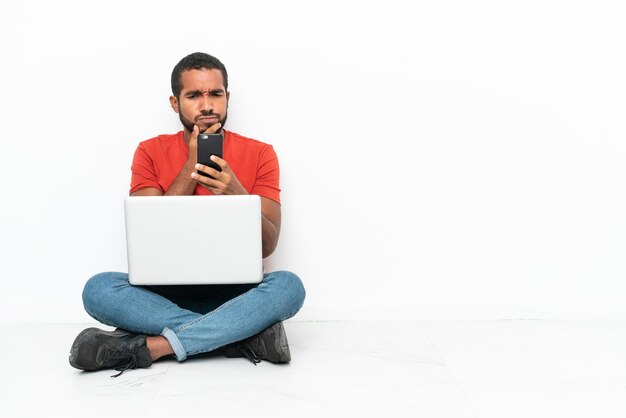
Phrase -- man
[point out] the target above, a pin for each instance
(158, 321)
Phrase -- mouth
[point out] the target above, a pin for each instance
(208, 120)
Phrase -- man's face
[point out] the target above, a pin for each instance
(203, 99)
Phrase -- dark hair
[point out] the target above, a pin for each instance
(196, 61)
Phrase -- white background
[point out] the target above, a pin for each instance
(450, 159)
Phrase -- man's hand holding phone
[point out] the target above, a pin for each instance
(213, 172)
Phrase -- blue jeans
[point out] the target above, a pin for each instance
(194, 319)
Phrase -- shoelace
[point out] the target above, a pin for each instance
(249, 353)
(127, 360)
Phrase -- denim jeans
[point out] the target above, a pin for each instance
(194, 319)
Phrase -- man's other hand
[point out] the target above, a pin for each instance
(223, 182)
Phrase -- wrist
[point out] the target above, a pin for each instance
(189, 166)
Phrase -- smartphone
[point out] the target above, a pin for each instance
(209, 144)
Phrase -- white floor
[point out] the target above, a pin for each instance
(486, 369)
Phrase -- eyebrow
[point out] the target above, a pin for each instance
(220, 90)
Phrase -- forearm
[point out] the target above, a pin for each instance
(183, 184)
(270, 236)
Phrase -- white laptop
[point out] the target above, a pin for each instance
(175, 240)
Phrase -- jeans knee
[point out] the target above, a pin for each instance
(99, 287)
(292, 290)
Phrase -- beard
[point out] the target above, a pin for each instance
(189, 124)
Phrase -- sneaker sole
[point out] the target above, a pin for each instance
(281, 345)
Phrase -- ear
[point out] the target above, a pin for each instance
(227, 98)
(174, 103)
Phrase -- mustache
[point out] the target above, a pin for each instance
(210, 113)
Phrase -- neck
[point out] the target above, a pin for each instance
(186, 136)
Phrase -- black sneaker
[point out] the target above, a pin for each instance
(95, 349)
(269, 344)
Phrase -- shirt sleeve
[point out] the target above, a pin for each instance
(143, 171)
(267, 183)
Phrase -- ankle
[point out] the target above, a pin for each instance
(159, 347)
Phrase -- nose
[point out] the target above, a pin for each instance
(206, 103)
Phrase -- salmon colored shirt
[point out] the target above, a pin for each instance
(158, 161)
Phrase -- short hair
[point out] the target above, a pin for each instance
(196, 61)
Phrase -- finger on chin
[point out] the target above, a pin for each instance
(214, 128)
